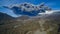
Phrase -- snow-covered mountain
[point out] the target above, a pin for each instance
(28, 9)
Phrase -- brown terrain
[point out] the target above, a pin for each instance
(26, 25)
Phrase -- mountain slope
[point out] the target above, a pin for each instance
(4, 18)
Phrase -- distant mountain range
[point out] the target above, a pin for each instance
(28, 9)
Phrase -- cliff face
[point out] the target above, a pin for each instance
(36, 25)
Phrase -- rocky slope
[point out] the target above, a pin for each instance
(36, 25)
(4, 18)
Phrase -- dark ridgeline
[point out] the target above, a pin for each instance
(5, 18)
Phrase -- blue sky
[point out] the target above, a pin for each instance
(51, 3)
(54, 4)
